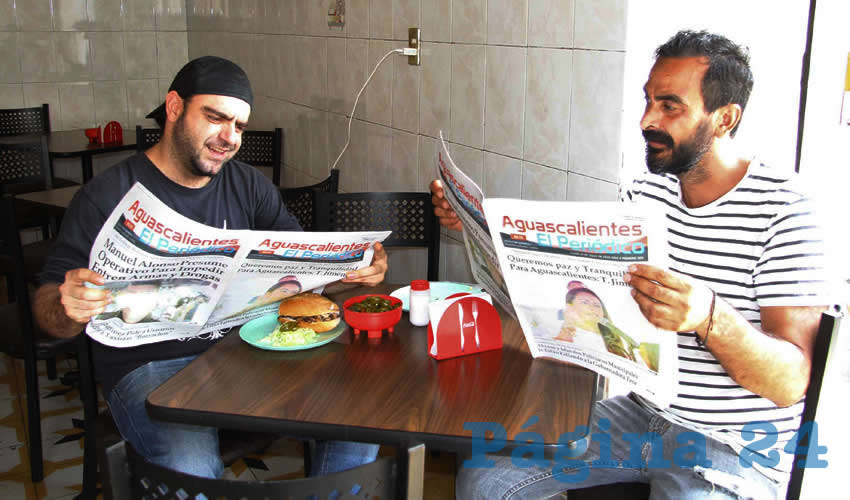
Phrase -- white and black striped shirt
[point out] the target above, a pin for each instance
(758, 245)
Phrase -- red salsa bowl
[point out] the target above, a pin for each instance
(374, 323)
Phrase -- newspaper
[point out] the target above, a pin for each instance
(170, 277)
(562, 264)
(466, 199)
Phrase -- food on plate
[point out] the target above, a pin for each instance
(289, 334)
(309, 310)
(374, 304)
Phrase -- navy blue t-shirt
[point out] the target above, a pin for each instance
(239, 197)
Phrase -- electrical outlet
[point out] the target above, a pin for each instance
(413, 35)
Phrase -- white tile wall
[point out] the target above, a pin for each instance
(7, 15)
(467, 104)
(600, 24)
(504, 110)
(547, 106)
(11, 95)
(469, 21)
(356, 19)
(597, 100)
(550, 23)
(435, 90)
(91, 60)
(33, 16)
(528, 92)
(406, 80)
(507, 22)
(10, 67)
(436, 20)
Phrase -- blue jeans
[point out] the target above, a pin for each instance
(194, 449)
(724, 479)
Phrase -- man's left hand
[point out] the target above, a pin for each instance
(669, 300)
(372, 275)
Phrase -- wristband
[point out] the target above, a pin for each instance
(702, 342)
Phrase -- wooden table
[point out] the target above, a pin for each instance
(74, 143)
(386, 391)
(58, 199)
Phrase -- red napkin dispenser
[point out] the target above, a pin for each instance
(113, 133)
(463, 324)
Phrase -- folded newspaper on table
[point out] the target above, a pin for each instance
(561, 265)
(170, 277)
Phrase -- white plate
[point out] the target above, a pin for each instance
(439, 291)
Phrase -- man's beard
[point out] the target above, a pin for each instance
(685, 156)
(186, 151)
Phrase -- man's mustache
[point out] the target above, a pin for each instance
(658, 137)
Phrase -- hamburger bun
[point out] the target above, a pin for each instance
(310, 310)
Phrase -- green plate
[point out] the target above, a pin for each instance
(258, 328)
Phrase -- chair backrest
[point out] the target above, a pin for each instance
(25, 167)
(830, 324)
(131, 476)
(18, 335)
(146, 137)
(408, 215)
(260, 148)
(301, 201)
(20, 121)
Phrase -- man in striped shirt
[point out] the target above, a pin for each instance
(745, 290)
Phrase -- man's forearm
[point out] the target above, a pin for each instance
(50, 313)
(765, 364)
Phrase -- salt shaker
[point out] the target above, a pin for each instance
(420, 297)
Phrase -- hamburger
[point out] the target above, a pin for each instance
(309, 310)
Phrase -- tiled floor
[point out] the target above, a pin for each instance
(61, 411)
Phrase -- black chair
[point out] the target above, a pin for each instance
(131, 476)
(830, 324)
(24, 168)
(260, 148)
(409, 216)
(21, 337)
(24, 121)
(146, 137)
(301, 201)
(30, 121)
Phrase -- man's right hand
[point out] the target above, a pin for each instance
(80, 302)
(442, 210)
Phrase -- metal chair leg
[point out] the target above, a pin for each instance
(88, 395)
(33, 414)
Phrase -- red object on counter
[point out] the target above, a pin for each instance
(373, 323)
(93, 134)
(113, 133)
(467, 324)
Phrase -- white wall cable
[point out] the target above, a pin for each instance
(348, 139)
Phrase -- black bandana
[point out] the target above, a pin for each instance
(209, 75)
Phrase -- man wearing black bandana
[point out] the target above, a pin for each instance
(191, 170)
